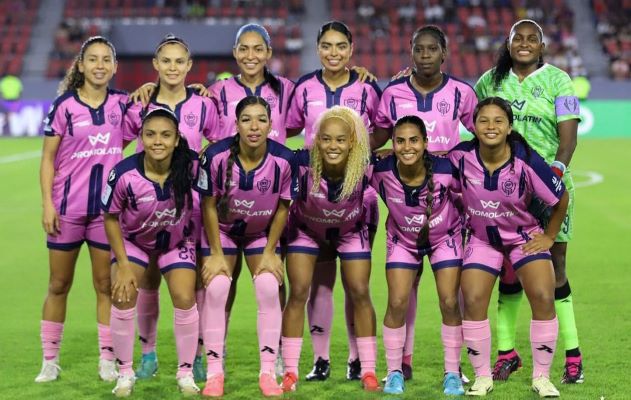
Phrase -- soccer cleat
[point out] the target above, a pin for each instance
(395, 383)
(199, 372)
(321, 370)
(214, 386)
(573, 372)
(369, 382)
(407, 371)
(463, 377)
(50, 371)
(506, 365)
(482, 386)
(107, 370)
(290, 380)
(544, 388)
(148, 366)
(124, 385)
(268, 385)
(353, 370)
(187, 385)
(452, 384)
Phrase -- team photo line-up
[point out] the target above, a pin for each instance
(499, 205)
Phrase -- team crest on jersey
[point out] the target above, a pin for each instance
(190, 119)
(508, 187)
(114, 118)
(351, 103)
(571, 104)
(271, 100)
(443, 107)
(536, 91)
(263, 185)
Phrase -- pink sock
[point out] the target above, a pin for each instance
(410, 322)
(393, 340)
(320, 308)
(122, 329)
(349, 315)
(291, 353)
(367, 347)
(269, 319)
(451, 337)
(214, 321)
(200, 294)
(543, 339)
(148, 306)
(186, 329)
(477, 337)
(106, 348)
(51, 334)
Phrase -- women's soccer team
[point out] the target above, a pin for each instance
(499, 204)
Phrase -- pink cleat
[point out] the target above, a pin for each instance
(269, 386)
(289, 382)
(214, 386)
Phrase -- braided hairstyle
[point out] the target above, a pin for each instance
(504, 61)
(270, 79)
(423, 236)
(224, 201)
(74, 78)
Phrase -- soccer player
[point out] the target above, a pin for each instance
(148, 205)
(83, 141)
(246, 183)
(334, 84)
(197, 117)
(547, 114)
(442, 102)
(422, 220)
(499, 177)
(327, 216)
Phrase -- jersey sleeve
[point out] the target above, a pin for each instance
(204, 183)
(132, 122)
(288, 182)
(295, 115)
(545, 184)
(467, 108)
(56, 122)
(372, 103)
(482, 85)
(113, 198)
(382, 118)
(210, 127)
(566, 102)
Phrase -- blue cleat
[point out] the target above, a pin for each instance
(199, 372)
(452, 384)
(148, 366)
(395, 383)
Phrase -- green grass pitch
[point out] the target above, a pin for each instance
(598, 267)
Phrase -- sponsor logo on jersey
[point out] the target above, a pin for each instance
(82, 123)
(417, 219)
(558, 183)
(103, 138)
(395, 200)
(244, 203)
(190, 119)
(430, 126)
(490, 204)
(490, 214)
(443, 107)
(518, 104)
(335, 213)
(316, 103)
(438, 139)
(114, 118)
(146, 199)
(263, 185)
(508, 187)
(352, 214)
(112, 176)
(407, 105)
(169, 212)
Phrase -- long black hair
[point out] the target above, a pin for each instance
(269, 78)
(74, 78)
(222, 205)
(504, 61)
(421, 240)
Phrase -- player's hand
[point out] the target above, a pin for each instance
(383, 153)
(200, 89)
(143, 93)
(363, 74)
(50, 220)
(213, 266)
(540, 242)
(124, 284)
(272, 263)
(402, 73)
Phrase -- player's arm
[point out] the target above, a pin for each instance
(271, 262)
(215, 264)
(568, 133)
(379, 137)
(50, 218)
(124, 282)
(291, 132)
(544, 241)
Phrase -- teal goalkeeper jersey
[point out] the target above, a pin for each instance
(542, 100)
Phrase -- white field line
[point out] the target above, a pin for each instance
(588, 178)
(20, 157)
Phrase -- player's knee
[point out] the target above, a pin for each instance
(473, 309)
(59, 286)
(449, 305)
(102, 286)
(359, 293)
(542, 303)
(398, 304)
(298, 293)
(184, 299)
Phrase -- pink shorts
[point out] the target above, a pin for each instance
(198, 230)
(371, 209)
(76, 230)
(250, 245)
(353, 245)
(182, 256)
(481, 255)
(447, 253)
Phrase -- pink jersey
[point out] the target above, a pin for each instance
(441, 110)
(229, 92)
(147, 212)
(253, 196)
(91, 144)
(407, 204)
(320, 213)
(497, 204)
(197, 116)
(312, 96)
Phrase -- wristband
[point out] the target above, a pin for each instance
(558, 168)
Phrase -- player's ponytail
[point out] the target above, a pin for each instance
(224, 201)
(181, 176)
(271, 80)
(429, 200)
(74, 78)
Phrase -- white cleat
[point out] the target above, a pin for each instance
(187, 385)
(50, 371)
(124, 385)
(482, 386)
(544, 388)
(107, 370)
